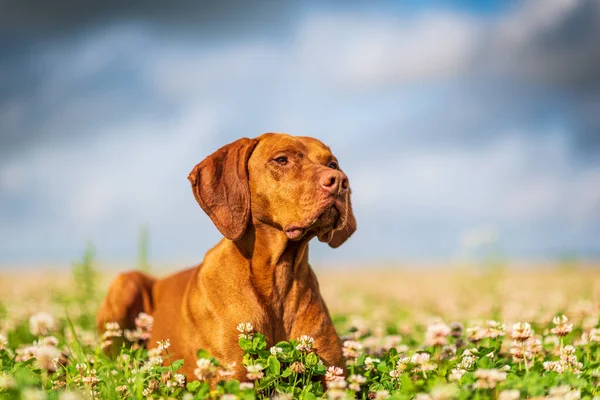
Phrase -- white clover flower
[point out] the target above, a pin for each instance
(41, 324)
(489, 378)
(305, 343)
(254, 371)
(456, 374)
(354, 382)
(437, 334)
(562, 328)
(246, 385)
(3, 342)
(276, 351)
(205, 369)
(47, 357)
(246, 330)
(513, 394)
(164, 344)
(334, 374)
(370, 362)
(420, 358)
(7, 381)
(521, 331)
(494, 329)
(555, 366)
(351, 350)
(339, 384)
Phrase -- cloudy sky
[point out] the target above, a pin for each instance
(456, 121)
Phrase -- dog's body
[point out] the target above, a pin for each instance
(268, 196)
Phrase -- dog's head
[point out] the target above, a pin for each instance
(292, 183)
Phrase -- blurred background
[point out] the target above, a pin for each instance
(467, 128)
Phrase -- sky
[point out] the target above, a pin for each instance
(463, 126)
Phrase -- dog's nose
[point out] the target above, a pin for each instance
(334, 182)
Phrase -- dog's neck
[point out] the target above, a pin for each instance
(274, 261)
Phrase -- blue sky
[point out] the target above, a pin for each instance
(457, 122)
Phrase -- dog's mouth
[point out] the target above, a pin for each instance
(332, 218)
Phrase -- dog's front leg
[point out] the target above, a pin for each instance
(316, 322)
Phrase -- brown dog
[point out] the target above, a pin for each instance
(269, 197)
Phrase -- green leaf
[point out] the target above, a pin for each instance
(274, 366)
(177, 364)
(382, 367)
(266, 382)
(312, 359)
(245, 344)
(193, 386)
(259, 342)
(202, 354)
(320, 369)
(232, 386)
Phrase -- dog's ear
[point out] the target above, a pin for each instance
(220, 186)
(340, 236)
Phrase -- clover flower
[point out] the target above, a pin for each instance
(143, 328)
(594, 335)
(456, 329)
(177, 381)
(276, 351)
(3, 342)
(255, 372)
(41, 324)
(494, 329)
(334, 374)
(401, 366)
(370, 363)
(354, 382)
(155, 357)
(555, 366)
(298, 368)
(112, 329)
(437, 334)
(336, 389)
(475, 333)
(246, 385)
(564, 392)
(205, 369)
(246, 330)
(521, 331)
(305, 343)
(456, 374)
(144, 321)
(489, 378)
(562, 328)
(351, 350)
(47, 357)
(513, 394)
(381, 395)
(228, 370)
(164, 344)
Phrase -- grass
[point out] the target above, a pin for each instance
(431, 333)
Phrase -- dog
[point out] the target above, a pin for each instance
(268, 196)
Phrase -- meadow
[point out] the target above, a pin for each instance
(423, 332)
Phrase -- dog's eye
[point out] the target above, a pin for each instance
(283, 160)
(333, 165)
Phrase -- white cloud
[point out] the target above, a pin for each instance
(365, 51)
(515, 179)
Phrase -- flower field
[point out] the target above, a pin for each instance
(424, 333)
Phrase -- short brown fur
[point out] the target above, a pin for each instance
(268, 210)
